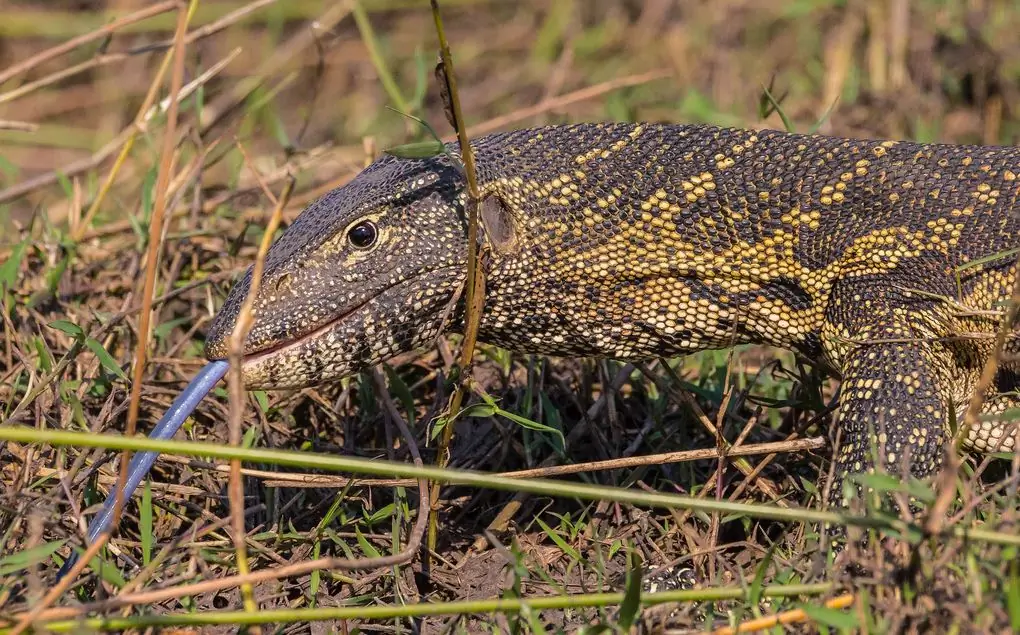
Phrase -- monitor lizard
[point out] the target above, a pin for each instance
(888, 262)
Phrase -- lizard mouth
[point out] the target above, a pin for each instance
(281, 348)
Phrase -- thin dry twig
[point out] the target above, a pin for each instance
(228, 582)
(792, 616)
(298, 42)
(278, 479)
(112, 58)
(19, 126)
(245, 319)
(673, 388)
(562, 101)
(103, 31)
(211, 28)
(155, 243)
(421, 522)
(63, 73)
(211, 114)
(301, 568)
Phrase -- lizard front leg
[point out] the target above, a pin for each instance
(897, 380)
(893, 411)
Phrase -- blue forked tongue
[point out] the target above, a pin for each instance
(141, 462)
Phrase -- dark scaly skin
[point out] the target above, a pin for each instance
(634, 241)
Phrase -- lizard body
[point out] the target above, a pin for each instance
(891, 263)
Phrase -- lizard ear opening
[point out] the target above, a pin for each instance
(498, 222)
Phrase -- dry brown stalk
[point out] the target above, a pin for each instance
(244, 322)
(20, 126)
(103, 31)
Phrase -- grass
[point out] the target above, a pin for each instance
(79, 201)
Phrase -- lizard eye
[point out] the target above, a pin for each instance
(362, 235)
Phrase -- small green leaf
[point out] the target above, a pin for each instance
(534, 619)
(161, 331)
(402, 392)
(920, 491)
(880, 482)
(1009, 414)
(480, 410)
(833, 618)
(108, 362)
(70, 328)
(249, 437)
(769, 104)
(24, 559)
(65, 184)
(824, 117)
(999, 255)
(145, 522)
(1013, 595)
(136, 227)
(532, 425)
(54, 275)
(630, 608)
(365, 545)
(9, 270)
(417, 150)
(421, 84)
(808, 486)
(421, 122)
(754, 595)
(45, 358)
(437, 427)
(263, 400)
(316, 576)
(148, 188)
(558, 539)
(109, 573)
(614, 548)
(269, 114)
(380, 514)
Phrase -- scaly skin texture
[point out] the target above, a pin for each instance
(634, 241)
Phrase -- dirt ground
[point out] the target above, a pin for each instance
(305, 90)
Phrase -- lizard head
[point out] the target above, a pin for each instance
(370, 270)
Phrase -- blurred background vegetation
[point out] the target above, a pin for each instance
(308, 88)
(930, 70)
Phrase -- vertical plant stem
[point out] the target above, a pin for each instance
(475, 292)
(245, 318)
(155, 241)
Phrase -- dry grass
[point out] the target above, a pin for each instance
(83, 171)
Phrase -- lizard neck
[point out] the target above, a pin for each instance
(682, 255)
